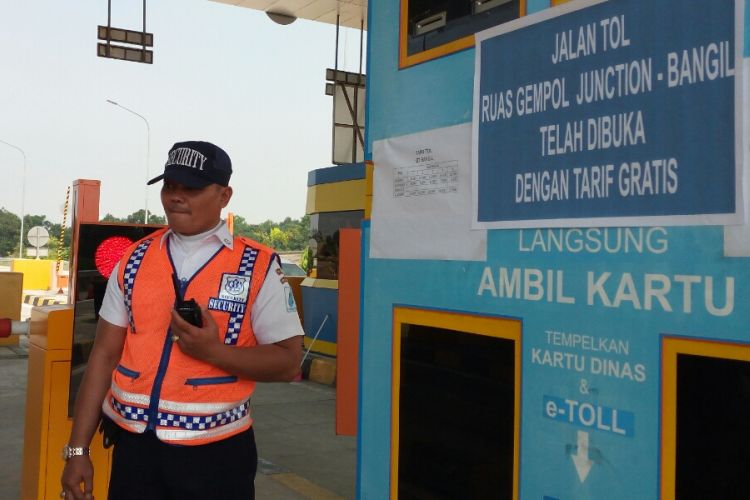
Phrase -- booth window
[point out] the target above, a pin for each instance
(705, 436)
(324, 244)
(456, 389)
(432, 29)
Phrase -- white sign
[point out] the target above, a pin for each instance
(32, 252)
(38, 236)
(421, 206)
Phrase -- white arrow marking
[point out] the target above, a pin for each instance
(581, 459)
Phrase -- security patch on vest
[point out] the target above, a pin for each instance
(215, 304)
(233, 293)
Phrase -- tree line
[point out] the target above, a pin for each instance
(287, 235)
(10, 232)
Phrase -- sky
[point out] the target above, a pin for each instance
(221, 73)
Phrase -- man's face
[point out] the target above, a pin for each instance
(191, 211)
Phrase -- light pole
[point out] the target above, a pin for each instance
(148, 149)
(23, 195)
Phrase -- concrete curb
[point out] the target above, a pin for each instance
(44, 300)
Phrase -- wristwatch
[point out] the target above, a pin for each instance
(74, 451)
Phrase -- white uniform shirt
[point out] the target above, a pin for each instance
(272, 318)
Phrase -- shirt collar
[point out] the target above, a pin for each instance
(221, 233)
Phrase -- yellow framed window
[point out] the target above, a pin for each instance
(430, 29)
(455, 405)
(705, 437)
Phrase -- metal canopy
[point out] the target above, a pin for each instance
(352, 12)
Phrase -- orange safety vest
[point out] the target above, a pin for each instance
(155, 385)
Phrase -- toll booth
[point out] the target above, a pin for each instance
(335, 201)
(60, 341)
(556, 252)
(539, 319)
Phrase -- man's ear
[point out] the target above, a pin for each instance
(226, 195)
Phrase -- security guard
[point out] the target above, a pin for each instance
(191, 319)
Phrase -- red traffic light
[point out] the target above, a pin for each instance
(109, 252)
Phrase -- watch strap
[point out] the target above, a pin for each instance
(75, 451)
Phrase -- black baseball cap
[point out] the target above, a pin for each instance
(196, 164)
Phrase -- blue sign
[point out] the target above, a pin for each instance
(614, 114)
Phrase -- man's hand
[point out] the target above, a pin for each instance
(199, 343)
(78, 470)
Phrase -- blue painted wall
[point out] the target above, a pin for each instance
(630, 462)
(337, 173)
(319, 302)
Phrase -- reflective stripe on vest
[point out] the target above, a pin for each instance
(178, 428)
(235, 317)
(190, 422)
(131, 268)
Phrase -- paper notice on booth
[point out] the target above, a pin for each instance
(421, 204)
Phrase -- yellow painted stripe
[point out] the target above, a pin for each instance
(369, 179)
(466, 323)
(369, 171)
(368, 208)
(336, 197)
(304, 487)
(671, 347)
(321, 346)
(320, 283)
(405, 60)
